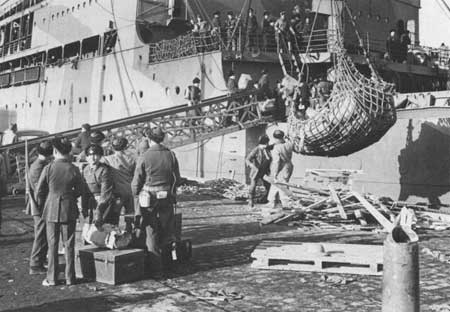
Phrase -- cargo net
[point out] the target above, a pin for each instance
(183, 46)
(358, 113)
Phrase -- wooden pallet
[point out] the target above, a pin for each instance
(336, 258)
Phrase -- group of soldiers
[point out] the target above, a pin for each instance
(236, 30)
(108, 187)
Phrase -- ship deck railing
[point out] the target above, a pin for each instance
(183, 46)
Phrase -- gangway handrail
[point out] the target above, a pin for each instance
(131, 120)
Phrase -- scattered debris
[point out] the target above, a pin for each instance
(336, 280)
(221, 295)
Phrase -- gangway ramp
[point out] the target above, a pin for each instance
(183, 124)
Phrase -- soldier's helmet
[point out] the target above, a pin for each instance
(119, 144)
(45, 148)
(62, 145)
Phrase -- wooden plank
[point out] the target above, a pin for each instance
(338, 202)
(307, 188)
(388, 226)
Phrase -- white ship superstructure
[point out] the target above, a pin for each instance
(66, 62)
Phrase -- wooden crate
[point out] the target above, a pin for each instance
(119, 266)
(84, 261)
(336, 258)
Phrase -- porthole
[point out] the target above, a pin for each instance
(79, 100)
(154, 76)
(64, 101)
(78, 6)
(177, 90)
(104, 98)
(62, 13)
(84, 4)
(57, 15)
(43, 20)
(42, 103)
(73, 8)
(110, 97)
(378, 17)
(15, 106)
(6, 107)
(68, 11)
(53, 17)
(29, 105)
(141, 94)
(85, 99)
(59, 102)
(167, 91)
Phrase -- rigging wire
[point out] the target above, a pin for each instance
(123, 59)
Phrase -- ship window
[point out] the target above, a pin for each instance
(73, 8)
(54, 55)
(15, 105)
(53, 17)
(167, 91)
(59, 102)
(85, 99)
(89, 46)
(104, 98)
(68, 11)
(177, 90)
(50, 103)
(79, 100)
(110, 97)
(64, 101)
(43, 20)
(62, 13)
(78, 6)
(141, 94)
(29, 105)
(110, 39)
(42, 104)
(72, 49)
(154, 76)
(84, 4)
(57, 15)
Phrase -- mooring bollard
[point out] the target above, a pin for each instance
(401, 271)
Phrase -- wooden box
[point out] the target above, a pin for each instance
(84, 261)
(119, 266)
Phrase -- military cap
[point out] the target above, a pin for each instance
(97, 136)
(62, 145)
(216, 13)
(156, 134)
(230, 13)
(119, 144)
(196, 80)
(264, 139)
(278, 134)
(94, 149)
(266, 13)
(45, 148)
(86, 126)
(282, 13)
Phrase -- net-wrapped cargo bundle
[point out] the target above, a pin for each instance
(358, 113)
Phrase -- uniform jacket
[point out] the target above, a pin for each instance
(34, 174)
(282, 167)
(259, 157)
(98, 197)
(59, 186)
(83, 140)
(3, 176)
(157, 168)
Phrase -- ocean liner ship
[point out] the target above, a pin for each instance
(67, 62)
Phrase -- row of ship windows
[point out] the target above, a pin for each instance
(80, 100)
(85, 99)
(68, 10)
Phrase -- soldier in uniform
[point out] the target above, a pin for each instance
(230, 26)
(98, 200)
(155, 183)
(3, 187)
(57, 191)
(123, 166)
(39, 249)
